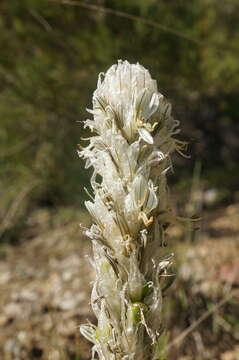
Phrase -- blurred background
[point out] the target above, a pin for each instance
(51, 54)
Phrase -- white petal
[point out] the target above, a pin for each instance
(145, 135)
(152, 201)
(140, 190)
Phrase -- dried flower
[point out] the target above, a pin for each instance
(130, 155)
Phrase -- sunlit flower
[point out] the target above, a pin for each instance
(130, 155)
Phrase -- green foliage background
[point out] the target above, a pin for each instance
(51, 55)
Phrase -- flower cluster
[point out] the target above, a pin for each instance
(130, 155)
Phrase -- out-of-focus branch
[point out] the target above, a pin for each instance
(128, 16)
(40, 19)
(155, 24)
(18, 147)
(179, 339)
(15, 205)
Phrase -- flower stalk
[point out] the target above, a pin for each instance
(130, 155)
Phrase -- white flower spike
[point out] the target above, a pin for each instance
(130, 156)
